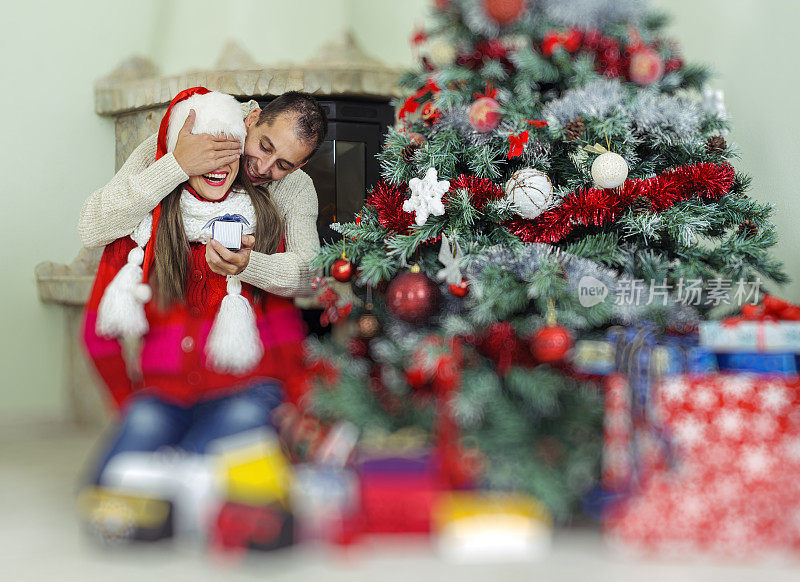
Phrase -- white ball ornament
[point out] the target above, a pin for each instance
(609, 170)
(530, 192)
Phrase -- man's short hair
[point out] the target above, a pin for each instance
(311, 123)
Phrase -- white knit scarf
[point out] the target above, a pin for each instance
(233, 345)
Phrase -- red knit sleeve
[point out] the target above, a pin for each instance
(106, 354)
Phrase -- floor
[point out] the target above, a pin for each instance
(40, 540)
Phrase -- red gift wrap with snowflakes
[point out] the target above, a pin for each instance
(713, 469)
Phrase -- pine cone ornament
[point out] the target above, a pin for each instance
(748, 228)
(574, 129)
(641, 205)
(716, 143)
(408, 152)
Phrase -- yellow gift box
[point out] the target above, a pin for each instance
(257, 473)
(491, 527)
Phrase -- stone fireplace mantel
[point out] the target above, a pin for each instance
(339, 68)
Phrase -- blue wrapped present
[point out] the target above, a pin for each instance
(761, 363)
(685, 356)
(644, 357)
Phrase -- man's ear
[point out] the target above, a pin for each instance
(252, 117)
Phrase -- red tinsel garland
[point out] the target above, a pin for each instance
(481, 190)
(598, 207)
(582, 207)
(388, 200)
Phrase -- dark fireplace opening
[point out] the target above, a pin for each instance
(345, 166)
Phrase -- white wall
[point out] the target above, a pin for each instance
(751, 44)
(56, 150)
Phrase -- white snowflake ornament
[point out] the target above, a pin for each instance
(426, 196)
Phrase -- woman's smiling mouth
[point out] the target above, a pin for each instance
(215, 179)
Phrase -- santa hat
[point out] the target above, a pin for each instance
(121, 309)
(215, 113)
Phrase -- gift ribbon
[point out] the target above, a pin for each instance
(771, 309)
(641, 379)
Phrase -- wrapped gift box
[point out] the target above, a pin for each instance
(480, 527)
(731, 487)
(112, 516)
(593, 357)
(253, 468)
(324, 501)
(750, 336)
(255, 527)
(643, 357)
(397, 494)
(669, 355)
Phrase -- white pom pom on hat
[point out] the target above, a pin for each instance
(215, 113)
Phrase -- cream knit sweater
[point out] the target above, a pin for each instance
(116, 209)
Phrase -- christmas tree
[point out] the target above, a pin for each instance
(545, 147)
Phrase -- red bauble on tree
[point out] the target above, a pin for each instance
(342, 270)
(646, 66)
(412, 296)
(416, 138)
(552, 342)
(504, 12)
(484, 114)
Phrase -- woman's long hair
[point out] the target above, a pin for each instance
(172, 247)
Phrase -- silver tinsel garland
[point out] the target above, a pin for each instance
(592, 13)
(599, 98)
(665, 119)
(526, 260)
(583, 14)
(662, 119)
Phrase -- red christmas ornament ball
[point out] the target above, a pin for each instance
(417, 377)
(412, 297)
(416, 138)
(504, 12)
(342, 270)
(646, 67)
(430, 113)
(484, 114)
(551, 344)
(459, 289)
